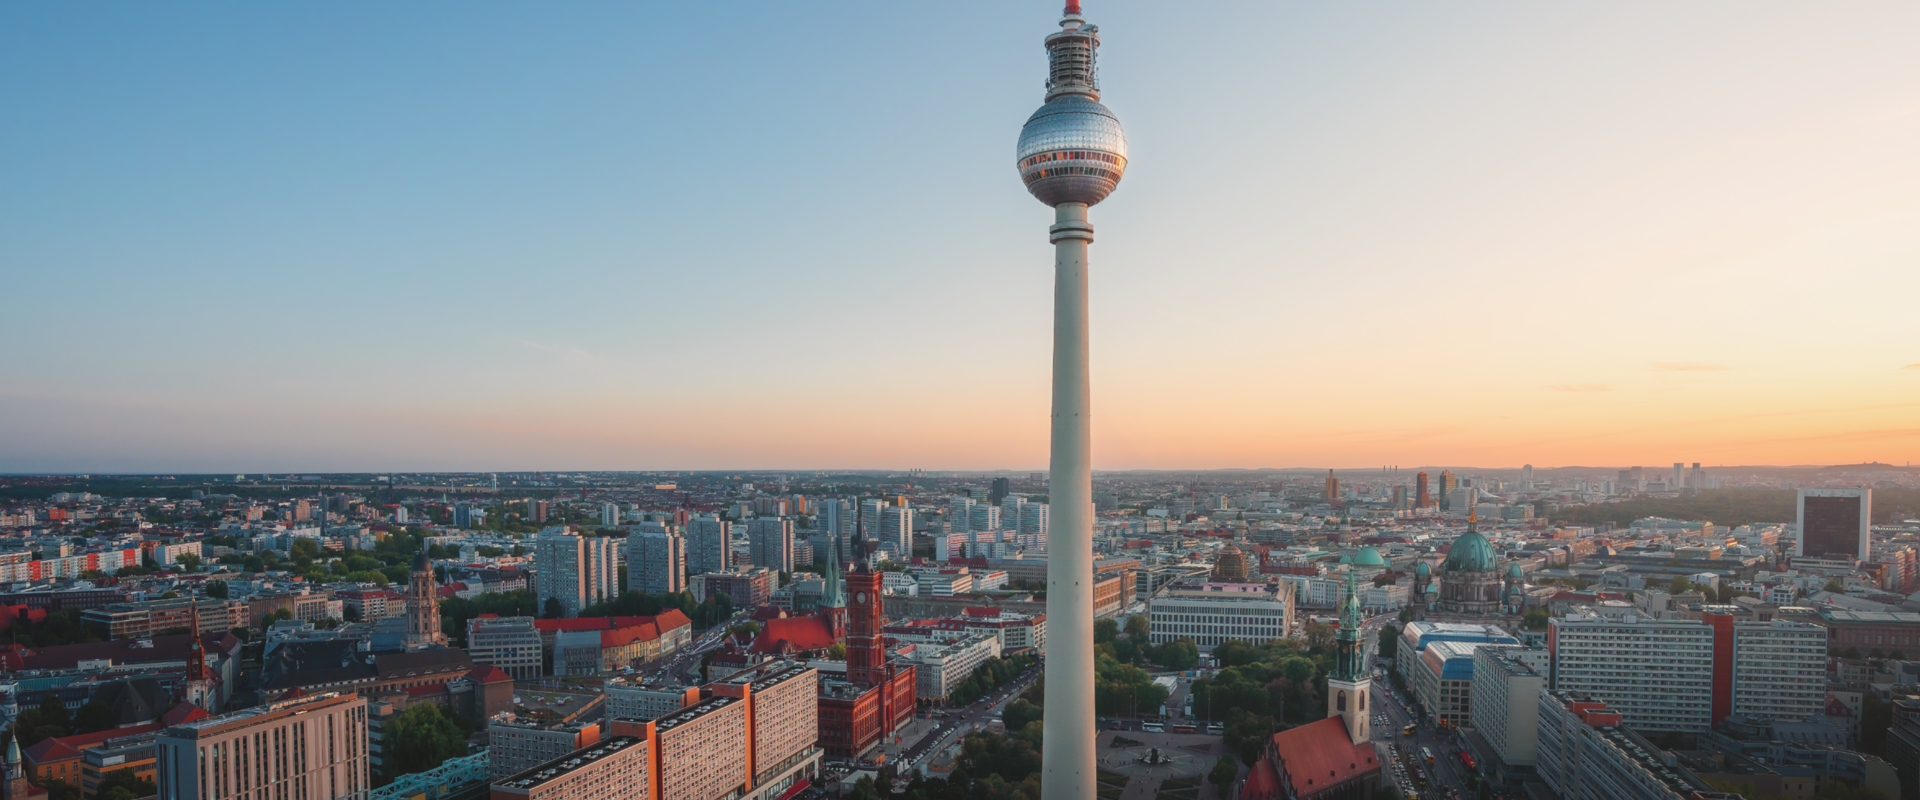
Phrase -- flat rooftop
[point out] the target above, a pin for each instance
(576, 760)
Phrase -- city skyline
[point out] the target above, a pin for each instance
(299, 239)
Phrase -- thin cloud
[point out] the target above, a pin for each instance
(1689, 366)
(1580, 387)
(1911, 366)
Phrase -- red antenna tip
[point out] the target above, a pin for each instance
(1073, 7)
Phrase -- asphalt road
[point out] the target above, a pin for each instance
(958, 720)
(1446, 772)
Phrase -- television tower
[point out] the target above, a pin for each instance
(1072, 153)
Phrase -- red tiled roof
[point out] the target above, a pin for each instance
(52, 749)
(183, 714)
(620, 637)
(797, 633)
(1320, 754)
(427, 690)
(488, 673)
(672, 619)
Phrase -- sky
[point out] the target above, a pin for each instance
(498, 236)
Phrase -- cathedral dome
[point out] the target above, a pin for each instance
(1422, 568)
(1368, 557)
(1513, 570)
(1231, 565)
(1470, 553)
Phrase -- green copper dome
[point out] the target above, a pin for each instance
(1514, 570)
(1470, 553)
(1422, 568)
(1368, 557)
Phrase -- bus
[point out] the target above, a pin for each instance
(1426, 754)
(1466, 759)
(1406, 731)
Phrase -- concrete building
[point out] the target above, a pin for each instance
(1586, 752)
(1215, 612)
(1654, 674)
(516, 744)
(577, 570)
(318, 744)
(1506, 711)
(746, 587)
(656, 563)
(629, 700)
(709, 544)
(770, 544)
(1779, 670)
(942, 666)
(783, 724)
(896, 532)
(1442, 680)
(617, 769)
(1834, 522)
(510, 643)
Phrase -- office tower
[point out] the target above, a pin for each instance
(577, 570)
(709, 544)
(1637, 479)
(423, 606)
(302, 511)
(400, 515)
(960, 512)
(656, 562)
(1010, 510)
(1422, 495)
(1835, 522)
(1697, 478)
(1033, 518)
(999, 490)
(609, 515)
(316, 746)
(870, 509)
(983, 517)
(536, 511)
(770, 544)
(1526, 473)
(1071, 155)
(1399, 497)
(1448, 483)
(797, 505)
(896, 529)
(1333, 488)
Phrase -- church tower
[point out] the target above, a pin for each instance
(16, 777)
(196, 689)
(833, 596)
(1350, 681)
(423, 606)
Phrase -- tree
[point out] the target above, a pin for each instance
(1138, 627)
(1179, 654)
(1836, 587)
(1223, 773)
(421, 738)
(1680, 585)
(217, 589)
(865, 790)
(45, 721)
(1020, 713)
(189, 561)
(1535, 620)
(553, 609)
(837, 652)
(1105, 630)
(1389, 642)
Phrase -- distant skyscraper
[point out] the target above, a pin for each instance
(770, 543)
(1001, 487)
(984, 517)
(896, 528)
(656, 563)
(830, 518)
(1033, 518)
(536, 511)
(709, 544)
(1835, 522)
(960, 513)
(1679, 479)
(1333, 488)
(870, 509)
(1448, 483)
(579, 570)
(1399, 497)
(1422, 495)
(609, 515)
(1526, 473)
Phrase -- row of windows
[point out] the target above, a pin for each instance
(1073, 155)
(1062, 171)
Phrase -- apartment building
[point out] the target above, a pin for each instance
(1779, 670)
(309, 748)
(510, 643)
(656, 563)
(577, 570)
(770, 543)
(516, 745)
(782, 720)
(618, 769)
(1586, 752)
(629, 700)
(709, 544)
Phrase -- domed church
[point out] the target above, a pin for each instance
(1470, 580)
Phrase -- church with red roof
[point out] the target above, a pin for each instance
(1334, 758)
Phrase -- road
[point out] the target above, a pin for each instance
(1391, 718)
(960, 720)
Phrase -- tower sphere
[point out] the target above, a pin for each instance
(1072, 151)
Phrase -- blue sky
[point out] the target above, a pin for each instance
(496, 236)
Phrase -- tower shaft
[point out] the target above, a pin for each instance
(1067, 755)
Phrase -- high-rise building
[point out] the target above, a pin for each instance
(1071, 155)
(1399, 497)
(1033, 519)
(1422, 496)
(870, 510)
(1332, 494)
(656, 563)
(709, 544)
(1010, 510)
(1689, 674)
(1526, 473)
(833, 518)
(1001, 487)
(1835, 522)
(537, 511)
(609, 515)
(983, 517)
(423, 606)
(1506, 705)
(770, 543)
(577, 570)
(896, 531)
(960, 513)
(316, 746)
(1448, 483)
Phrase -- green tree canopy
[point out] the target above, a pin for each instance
(421, 738)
